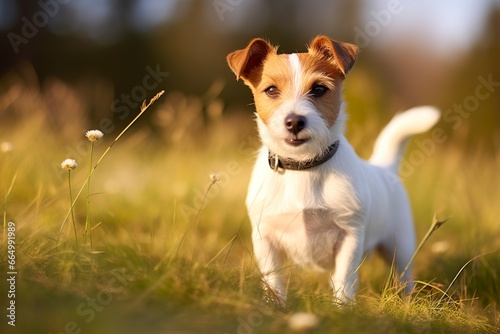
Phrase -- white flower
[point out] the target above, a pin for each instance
(6, 147)
(94, 135)
(214, 177)
(69, 164)
(302, 322)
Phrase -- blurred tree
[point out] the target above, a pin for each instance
(475, 90)
(103, 41)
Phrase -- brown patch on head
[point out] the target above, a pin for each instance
(276, 73)
(247, 63)
(259, 65)
(326, 63)
(318, 71)
(342, 55)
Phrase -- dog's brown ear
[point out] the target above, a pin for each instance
(245, 62)
(342, 54)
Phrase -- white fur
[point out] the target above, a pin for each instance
(328, 217)
(296, 73)
(389, 147)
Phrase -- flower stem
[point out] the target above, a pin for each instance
(144, 107)
(88, 229)
(71, 208)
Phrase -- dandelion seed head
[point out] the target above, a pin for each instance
(94, 135)
(69, 164)
(6, 147)
(302, 322)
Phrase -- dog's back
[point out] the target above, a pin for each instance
(390, 205)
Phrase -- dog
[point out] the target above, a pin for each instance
(310, 197)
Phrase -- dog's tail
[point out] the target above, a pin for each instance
(391, 142)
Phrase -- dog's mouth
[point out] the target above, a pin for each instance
(296, 141)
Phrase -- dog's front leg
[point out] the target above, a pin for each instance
(269, 260)
(347, 261)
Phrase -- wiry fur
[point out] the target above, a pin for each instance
(328, 216)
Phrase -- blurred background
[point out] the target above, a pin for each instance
(68, 66)
(412, 52)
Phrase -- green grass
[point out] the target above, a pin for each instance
(161, 263)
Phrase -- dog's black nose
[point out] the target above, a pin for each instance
(295, 123)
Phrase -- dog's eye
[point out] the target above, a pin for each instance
(318, 90)
(272, 91)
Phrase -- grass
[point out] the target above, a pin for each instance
(171, 247)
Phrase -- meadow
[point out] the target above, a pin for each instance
(169, 250)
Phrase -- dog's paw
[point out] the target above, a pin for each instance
(274, 299)
(342, 300)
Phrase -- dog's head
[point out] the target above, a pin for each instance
(298, 97)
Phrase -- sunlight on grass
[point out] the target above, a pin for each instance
(171, 239)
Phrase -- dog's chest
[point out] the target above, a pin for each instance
(309, 237)
(303, 213)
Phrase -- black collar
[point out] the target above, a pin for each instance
(276, 162)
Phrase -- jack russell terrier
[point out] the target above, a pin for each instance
(310, 196)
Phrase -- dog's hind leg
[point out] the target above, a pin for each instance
(398, 251)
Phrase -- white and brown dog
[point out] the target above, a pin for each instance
(311, 197)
